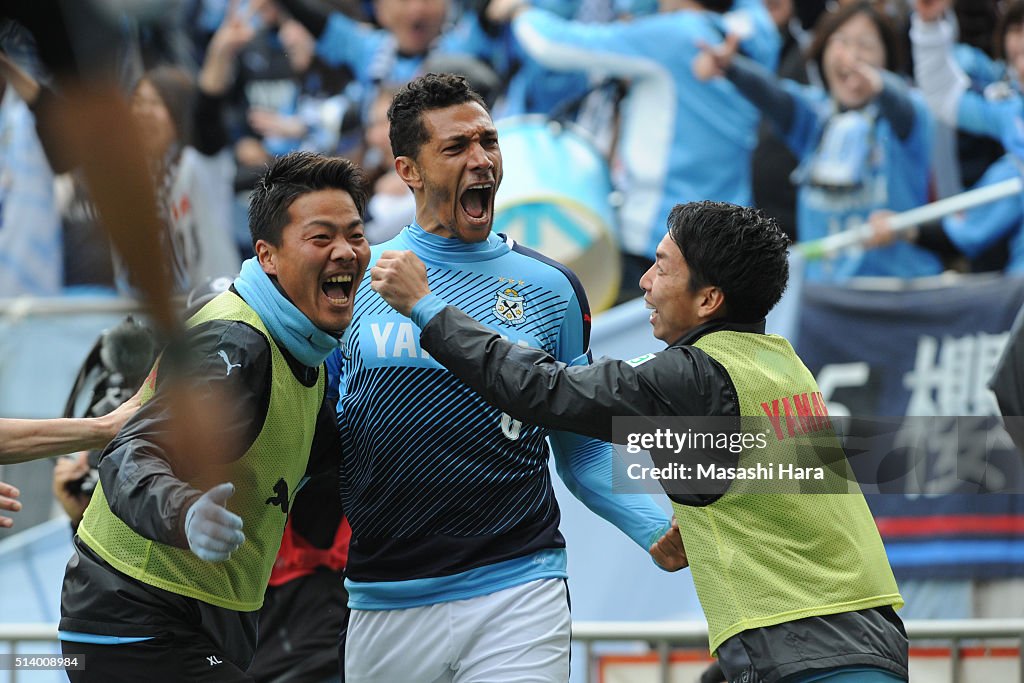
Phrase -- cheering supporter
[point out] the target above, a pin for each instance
(863, 138)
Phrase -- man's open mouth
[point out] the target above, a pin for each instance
(338, 288)
(476, 200)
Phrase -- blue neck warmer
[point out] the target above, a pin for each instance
(287, 324)
(440, 249)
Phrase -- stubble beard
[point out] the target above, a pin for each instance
(446, 197)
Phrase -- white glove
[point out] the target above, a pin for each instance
(212, 531)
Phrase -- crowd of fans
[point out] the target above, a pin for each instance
(865, 109)
(828, 115)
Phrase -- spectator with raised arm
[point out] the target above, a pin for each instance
(863, 138)
(995, 113)
(24, 440)
(679, 139)
(392, 52)
(286, 97)
(30, 238)
(185, 141)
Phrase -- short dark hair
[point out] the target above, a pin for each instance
(738, 249)
(978, 21)
(830, 22)
(426, 93)
(293, 175)
(718, 6)
(1012, 17)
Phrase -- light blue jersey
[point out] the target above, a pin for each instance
(891, 173)
(448, 497)
(976, 230)
(373, 56)
(30, 229)
(681, 139)
(372, 53)
(998, 114)
(981, 69)
(1000, 118)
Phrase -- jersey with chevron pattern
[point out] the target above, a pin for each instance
(434, 480)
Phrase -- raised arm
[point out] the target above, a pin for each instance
(24, 440)
(159, 463)
(45, 105)
(894, 103)
(939, 77)
(617, 49)
(218, 70)
(589, 467)
(216, 76)
(310, 13)
(529, 384)
(754, 82)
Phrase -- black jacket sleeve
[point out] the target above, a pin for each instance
(933, 237)
(311, 14)
(894, 104)
(148, 481)
(209, 134)
(531, 386)
(762, 88)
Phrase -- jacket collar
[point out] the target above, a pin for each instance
(717, 326)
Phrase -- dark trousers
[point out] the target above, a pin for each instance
(299, 625)
(191, 657)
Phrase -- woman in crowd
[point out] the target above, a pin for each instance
(862, 139)
(185, 141)
(993, 112)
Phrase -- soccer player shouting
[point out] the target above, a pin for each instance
(457, 568)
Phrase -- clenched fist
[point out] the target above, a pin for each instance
(401, 279)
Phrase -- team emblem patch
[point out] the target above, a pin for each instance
(640, 360)
(510, 307)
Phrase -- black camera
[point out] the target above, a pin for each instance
(111, 374)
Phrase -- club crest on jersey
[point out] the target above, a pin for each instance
(510, 307)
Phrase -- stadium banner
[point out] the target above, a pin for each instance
(927, 351)
(931, 664)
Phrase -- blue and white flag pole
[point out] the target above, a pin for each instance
(901, 222)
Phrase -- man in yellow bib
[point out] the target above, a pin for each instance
(175, 549)
(795, 587)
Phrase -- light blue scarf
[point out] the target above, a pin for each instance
(287, 324)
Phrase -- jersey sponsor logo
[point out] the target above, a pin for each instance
(803, 413)
(231, 366)
(510, 427)
(395, 342)
(640, 360)
(280, 497)
(510, 307)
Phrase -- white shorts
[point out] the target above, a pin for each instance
(517, 635)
